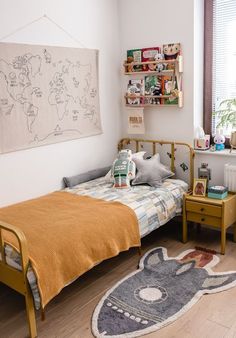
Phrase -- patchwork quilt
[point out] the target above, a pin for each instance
(152, 206)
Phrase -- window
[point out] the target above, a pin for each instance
(220, 57)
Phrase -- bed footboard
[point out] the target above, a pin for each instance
(16, 279)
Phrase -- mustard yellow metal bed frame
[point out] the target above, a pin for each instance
(17, 280)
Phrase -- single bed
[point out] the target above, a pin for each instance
(152, 207)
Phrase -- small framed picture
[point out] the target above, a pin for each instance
(199, 186)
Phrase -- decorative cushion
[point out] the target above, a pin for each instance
(123, 169)
(151, 171)
(139, 155)
(84, 177)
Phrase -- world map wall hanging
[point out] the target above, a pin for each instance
(47, 95)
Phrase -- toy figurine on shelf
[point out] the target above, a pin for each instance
(219, 141)
(160, 66)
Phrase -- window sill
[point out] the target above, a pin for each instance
(225, 152)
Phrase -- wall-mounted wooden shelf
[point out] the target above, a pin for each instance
(151, 105)
(152, 62)
(178, 63)
(168, 72)
(175, 73)
(134, 96)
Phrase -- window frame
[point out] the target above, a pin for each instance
(208, 71)
(208, 65)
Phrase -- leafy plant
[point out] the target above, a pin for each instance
(226, 114)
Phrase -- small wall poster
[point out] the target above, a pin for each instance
(135, 121)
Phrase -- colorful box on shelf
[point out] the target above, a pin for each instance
(217, 191)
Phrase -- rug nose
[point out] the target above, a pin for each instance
(114, 321)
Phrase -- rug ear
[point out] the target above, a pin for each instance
(154, 258)
(184, 267)
(218, 281)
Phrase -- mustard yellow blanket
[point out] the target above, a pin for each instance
(68, 234)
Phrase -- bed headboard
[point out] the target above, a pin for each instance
(178, 155)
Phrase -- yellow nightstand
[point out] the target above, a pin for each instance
(204, 210)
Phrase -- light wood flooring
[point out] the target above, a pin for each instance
(69, 314)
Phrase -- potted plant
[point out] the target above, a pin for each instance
(227, 117)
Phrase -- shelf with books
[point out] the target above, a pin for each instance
(155, 76)
(148, 96)
(169, 72)
(153, 90)
(130, 65)
(150, 105)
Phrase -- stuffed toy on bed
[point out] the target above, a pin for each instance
(123, 169)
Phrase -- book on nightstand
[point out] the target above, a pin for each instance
(217, 191)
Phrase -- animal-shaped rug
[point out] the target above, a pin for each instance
(159, 292)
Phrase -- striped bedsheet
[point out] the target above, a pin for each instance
(152, 206)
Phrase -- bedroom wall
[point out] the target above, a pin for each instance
(33, 172)
(148, 23)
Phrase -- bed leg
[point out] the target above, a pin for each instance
(42, 314)
(30, 314)
(139, 250)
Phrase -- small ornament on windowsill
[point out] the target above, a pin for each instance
(201, 141)
(219, 140)
(213, 147)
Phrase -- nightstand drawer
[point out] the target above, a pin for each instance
(203, 208)
(203, 219)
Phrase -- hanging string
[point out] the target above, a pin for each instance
(21, 28)
(67, 33)
(38, 19)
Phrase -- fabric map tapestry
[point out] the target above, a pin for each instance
(47, 94)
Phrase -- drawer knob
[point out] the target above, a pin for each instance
(202, 209)
(202, 219)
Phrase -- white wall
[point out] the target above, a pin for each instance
(33, 172)
(216, 162)
(149, 23)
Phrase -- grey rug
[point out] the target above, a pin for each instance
(160, 291)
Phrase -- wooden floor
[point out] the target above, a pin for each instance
(69, 314)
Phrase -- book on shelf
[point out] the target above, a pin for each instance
(171, 51)
(135, 88)
(153, 87)
(150, 54)
(134, 55)
(169, 87)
